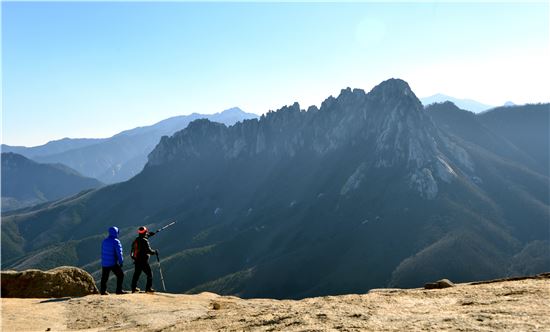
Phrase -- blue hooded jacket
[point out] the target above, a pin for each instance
(111, 249)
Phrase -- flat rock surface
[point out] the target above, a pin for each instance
(518, 305)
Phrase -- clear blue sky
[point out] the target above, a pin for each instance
(94, 69)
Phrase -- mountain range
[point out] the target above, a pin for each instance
(369, 190)
(26, 183)
(466, 104)
(52, 147)
(121, 156)
(519, 133)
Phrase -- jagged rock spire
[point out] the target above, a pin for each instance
(388, 124)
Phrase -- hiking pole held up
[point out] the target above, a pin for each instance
(157, 253)
(162, 228)
(160, 270)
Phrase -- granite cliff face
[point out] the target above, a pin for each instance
(388, 126)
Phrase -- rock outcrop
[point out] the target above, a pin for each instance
(443, 283)
(59, 282)
(515, 305)
(389, 123)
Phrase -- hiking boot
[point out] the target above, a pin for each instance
(150, 290)
(122, 292)
(136, 290)
(105, 293)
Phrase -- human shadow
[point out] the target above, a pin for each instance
(61, 299)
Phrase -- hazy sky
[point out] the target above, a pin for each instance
(94, 69)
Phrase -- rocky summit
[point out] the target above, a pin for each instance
(513, 305)
(388, 124)
(369, 190)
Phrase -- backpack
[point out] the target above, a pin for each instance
(135, 249)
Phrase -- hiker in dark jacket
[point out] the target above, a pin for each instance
(111, 260)
(141, 249)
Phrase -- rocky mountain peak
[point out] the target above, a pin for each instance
(201, 137)
(202, 125)
(449, 104)
(295, 107)
(389, 125)
(312, 109)
(233, 110)
(446, 105)
(393, 88)
(349, 93)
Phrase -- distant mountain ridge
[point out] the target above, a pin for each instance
(369, 190)
(466, 104)
(123, 155)
(525, 126)
(518, 132)
(52, 147)
(26, 183)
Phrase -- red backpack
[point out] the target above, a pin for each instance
(135, 249)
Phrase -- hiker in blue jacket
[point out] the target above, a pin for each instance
(111, 260)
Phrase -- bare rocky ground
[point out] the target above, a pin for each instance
(513, 305)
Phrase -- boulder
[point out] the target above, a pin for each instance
(443, 283)
(58, 282)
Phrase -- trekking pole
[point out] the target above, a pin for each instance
(162, 228)
(160, 270)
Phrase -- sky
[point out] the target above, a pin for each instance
(81, 69)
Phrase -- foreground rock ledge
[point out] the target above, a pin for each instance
(59, 282)
(518, 305)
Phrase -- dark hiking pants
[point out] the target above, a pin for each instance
(146, 268)
(117, 270)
